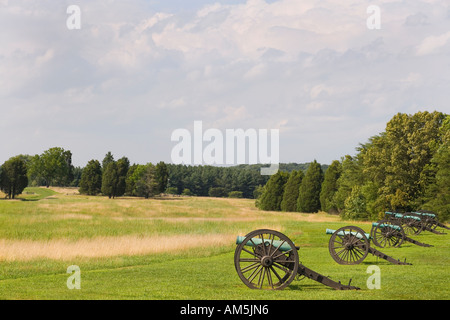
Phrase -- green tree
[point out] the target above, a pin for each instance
(355, 205)
(130, 181)
(257, 193)
(273, 192)
(77, 172)
(290, 196)
(235, 194)
(218, 192)
(110, 179)
(351, 175)
(53, 167)
(162, 176)
(186, 192)
(309, 192)
(398, 160)
(146, 185)
(91, 178)
(437, 197)
(107, 159)
(34, 176)
(330, 187)
(123, 164)
(13, 177)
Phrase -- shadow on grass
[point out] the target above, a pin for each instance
(167, 199)
(27, 199)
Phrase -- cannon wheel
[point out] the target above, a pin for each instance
(386, 235)
(412, 226)
(264, 265)
(349, 245)
(431, 223)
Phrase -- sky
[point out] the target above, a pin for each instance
(135, 71)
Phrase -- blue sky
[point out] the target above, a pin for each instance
(137, 70)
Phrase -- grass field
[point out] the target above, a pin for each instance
(182, 248)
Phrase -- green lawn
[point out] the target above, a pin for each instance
(197, 273)
(36, 193)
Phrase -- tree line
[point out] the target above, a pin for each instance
(115, 178)
(404, 168)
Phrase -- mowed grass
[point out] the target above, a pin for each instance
(182, 248)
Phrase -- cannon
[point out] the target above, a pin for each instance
(430, 219)
(267, 259)
(413, 223)
(385, 233)
(351, 245)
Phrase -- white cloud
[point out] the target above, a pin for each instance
(134, 73)
(432, 44)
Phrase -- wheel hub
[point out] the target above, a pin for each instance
(266, 261)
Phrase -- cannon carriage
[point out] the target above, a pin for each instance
(267, 259)
(416, 222)
(385, 233)
(430, 219)
(350, 245)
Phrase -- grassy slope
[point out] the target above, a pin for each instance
(199, 273)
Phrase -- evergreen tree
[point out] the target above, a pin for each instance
(329, 187)
(273, 192)
(77, 172)
(290, 196)
(162, 176)
(110, 180)
(13, 177)
(91, 178)
(107, 159)
(309, 192)
(123, 164)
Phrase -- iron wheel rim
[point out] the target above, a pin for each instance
(266, 266)
(348, 245)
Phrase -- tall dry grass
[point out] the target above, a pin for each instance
(26, 250)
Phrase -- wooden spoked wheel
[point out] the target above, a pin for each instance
(411, 226)
(348, 245)
(266, 259)
(387, 234)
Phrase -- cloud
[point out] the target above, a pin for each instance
(432, 44)
(418, 19)
(138, 70)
